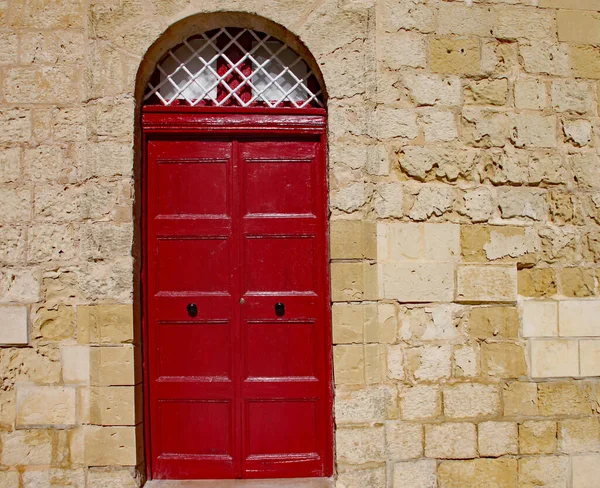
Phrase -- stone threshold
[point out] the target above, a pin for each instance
(271, 483)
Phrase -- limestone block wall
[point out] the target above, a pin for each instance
(465, 236)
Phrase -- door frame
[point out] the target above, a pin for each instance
(178, 120)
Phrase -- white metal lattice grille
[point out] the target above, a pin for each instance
(233, 66)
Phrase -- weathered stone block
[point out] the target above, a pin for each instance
(47, 15)
(388, 199)
(545, 57)
(433, 90)
(353, 239)
(395, 362)
(564, 398)
(365, 404)
(9, 479)
(110, 446)
(50, 242)
(396, 123)
(487, 92)
(112, 366)
(530, 94)
(454, 55)
(409, 49)
(102, 240)
(415, 473)
(393, 16)
(578, 27)
(503, 360)
(27, 447)
(464, 20)
(46, 406)
(115, 405)
(74, 478)
(353, 281)
(54, 324)
(543, 471)
(586, 471)
(439, 126)
(577, 132)
(586, 170)
(348, 477)
(497, 439)
(537, 437)
(571, 4)
(544, 354)
(403, 440)
(426, 282)
(445, 162)
(17, 125)
(348, 322)
(349, 364)
(484, 127)
(533, 130)
(451, 441)
(432, 200)
(490, 322)
(585, 61)
(48, 84)
(520, 399)
(384, 329)
(577, 282)
(491, 473)
(487, 283)
(13, 324)
(540, 319)
(537, 282)
(104, 324)
(527, 23)
(75, 364)
(16, 204)
(358, 446)
(429, 362)
(468, 400)
(572, 96)
(579, 318)
(420, 402)
(590, 357)
(466, 361)
(579, 435)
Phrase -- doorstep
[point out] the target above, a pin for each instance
(271, 483)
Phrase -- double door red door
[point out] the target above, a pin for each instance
(238, 369)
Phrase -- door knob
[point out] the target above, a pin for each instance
(279, 309)
(192, 309)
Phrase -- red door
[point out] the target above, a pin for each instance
(237, 303)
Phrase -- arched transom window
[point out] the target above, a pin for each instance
(233, 67)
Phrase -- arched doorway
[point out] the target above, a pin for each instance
(236, 284)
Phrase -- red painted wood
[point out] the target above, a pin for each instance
(236, 223)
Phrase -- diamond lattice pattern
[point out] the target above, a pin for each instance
(232, 66)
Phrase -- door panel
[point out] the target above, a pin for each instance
(283, 232)
(237, 227)
(192, 258)
(279, 263)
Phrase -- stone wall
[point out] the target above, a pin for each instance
(465, 234)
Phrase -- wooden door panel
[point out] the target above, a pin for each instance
(182, 421)
(195, 349)
(188, 172)
(279, 264)
(278, 177)
(278, 427)
(282, 259)
(192, 260)
(290, 347)
(237, 227)
(193, 264)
